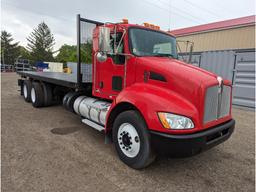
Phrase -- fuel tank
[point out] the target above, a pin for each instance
(91, 108)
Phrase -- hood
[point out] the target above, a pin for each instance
(179, 68)
(185, 79)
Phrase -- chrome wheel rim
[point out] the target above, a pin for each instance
(128, 140)
(33, 95)
(25, 91)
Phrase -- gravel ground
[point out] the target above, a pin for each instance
(49, 149)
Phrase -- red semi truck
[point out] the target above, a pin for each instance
(144, 99)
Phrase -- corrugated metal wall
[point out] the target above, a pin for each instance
(194, 61)
(236, 66)
(244, 79)
(228, 39)
(219, 62)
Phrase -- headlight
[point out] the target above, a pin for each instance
(171, 121)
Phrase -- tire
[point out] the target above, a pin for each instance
(48, 94)
(65, 99)
(37, 95)
(26, 90)
(70, 101)
(21, 89)
(130, 130)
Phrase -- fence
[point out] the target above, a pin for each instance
(7, 68)
(22, 65)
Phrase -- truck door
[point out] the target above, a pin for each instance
(110, 74)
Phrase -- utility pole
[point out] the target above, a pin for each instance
(169, 15)
(3, 54)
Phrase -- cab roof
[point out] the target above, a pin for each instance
(127, 26)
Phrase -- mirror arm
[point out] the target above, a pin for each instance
(115, 40)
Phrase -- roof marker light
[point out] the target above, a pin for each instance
(125, 21)
(152, 26)
(146, 24)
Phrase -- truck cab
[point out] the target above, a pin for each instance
(185, 109)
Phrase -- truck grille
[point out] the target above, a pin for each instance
(217, 103)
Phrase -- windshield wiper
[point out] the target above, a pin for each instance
(163, 55)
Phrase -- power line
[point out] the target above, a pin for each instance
(183, 11)
(191, 18)
(196, 6)
(202, 8)
(41, 13)
(187, 18)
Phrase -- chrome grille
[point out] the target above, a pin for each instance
(211, 104)
(217, 103)
(225, 101)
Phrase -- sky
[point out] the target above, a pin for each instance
(20, 17)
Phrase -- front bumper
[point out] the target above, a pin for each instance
(191, 144)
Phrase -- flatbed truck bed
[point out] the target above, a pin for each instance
(57, 78)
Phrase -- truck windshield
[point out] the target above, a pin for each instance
(146, 42)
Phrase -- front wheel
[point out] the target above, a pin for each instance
(132, 140)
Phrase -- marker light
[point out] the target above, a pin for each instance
(157, 27)
(152, 26)
(125, 21)
(146, 24)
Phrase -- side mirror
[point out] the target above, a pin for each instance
(104, 39)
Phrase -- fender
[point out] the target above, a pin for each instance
(150, 99)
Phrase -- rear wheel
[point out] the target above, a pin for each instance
(132, 140)
(48, 94)
(27, 85)
(37, 95)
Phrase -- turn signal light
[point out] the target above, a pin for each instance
(164, 120)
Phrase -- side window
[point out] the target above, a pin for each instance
(114, 42)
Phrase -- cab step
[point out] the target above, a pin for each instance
(93, 124)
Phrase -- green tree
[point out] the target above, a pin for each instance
(23, 53)
(68, 53)
(86, 52)
(9, 49)
(40, 43)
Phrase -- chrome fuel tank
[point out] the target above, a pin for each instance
(93, 109)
